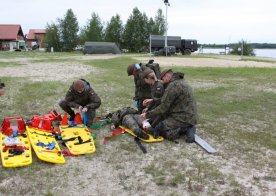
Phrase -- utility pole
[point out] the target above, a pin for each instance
(242, 50)
(166, 28)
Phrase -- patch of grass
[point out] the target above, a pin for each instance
(36, 54)
(157, 174)
(10, 64)
(258, 59)
(54, 60)
(178, 178)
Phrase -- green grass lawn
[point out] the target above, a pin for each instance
(237, 115)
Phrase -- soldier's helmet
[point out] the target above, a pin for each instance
(130, 69)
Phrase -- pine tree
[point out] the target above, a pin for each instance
(52, 38)
(114, 30)
(69, 31)
(93, 31)
(135, 31)
(159, 23)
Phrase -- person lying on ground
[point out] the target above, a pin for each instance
(131, 119)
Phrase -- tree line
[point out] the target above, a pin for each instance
(253, 45)
(66, 34)
(242, 47)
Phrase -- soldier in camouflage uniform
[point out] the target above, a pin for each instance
(157, 89)
(129, 118)
(142, 89)
(81, 96)
(178, 111)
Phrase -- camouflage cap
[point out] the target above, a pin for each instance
(164, 72)
(130, 69)
(78, 85)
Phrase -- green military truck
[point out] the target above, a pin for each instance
(183, 46)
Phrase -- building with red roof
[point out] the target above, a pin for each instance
(36, 37)
(11, 37)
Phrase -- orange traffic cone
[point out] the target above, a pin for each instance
(64, 120)
(78, 118)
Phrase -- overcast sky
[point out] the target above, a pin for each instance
(208, 21)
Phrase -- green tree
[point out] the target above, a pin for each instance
(150, 26)
(93, 31)
(114, 30)
(244, 48)
(159, 26)
(69, 29)
(52, 38)
(134, 36)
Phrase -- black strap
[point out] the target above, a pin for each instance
(138, 142)
(71, 139)
(43, 134)
(81, 142)
(16, 151)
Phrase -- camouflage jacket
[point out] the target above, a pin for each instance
(157, 93)
(142, 89)
(117, 117)
(88, 97)
(177, 102)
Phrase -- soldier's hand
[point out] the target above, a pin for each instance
(146, 102)
(143, 116)
(145, 110)
(84, 109)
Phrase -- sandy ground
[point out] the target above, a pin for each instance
(207, 62)
(115, 170)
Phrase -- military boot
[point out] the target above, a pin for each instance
(153, 132)
(190, 134)
(173, 134)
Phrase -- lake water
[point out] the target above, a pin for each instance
(259, 52)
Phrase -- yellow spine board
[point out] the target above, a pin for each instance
(10, 160)
(74, 146)
(52, 156)
(150, 140)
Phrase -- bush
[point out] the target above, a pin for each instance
(247, 49)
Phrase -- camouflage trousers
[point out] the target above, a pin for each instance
(133, 122)
(174, 133)
(91, 113)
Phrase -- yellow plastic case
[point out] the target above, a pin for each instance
(10, 160)
(42, 152)
(77, 139)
